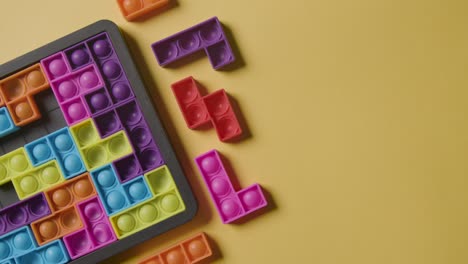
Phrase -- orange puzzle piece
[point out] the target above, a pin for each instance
(189, 251)
(17, 91)
(134, 9)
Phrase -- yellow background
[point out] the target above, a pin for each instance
(357, 112)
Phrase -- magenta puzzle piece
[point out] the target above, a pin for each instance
(97, 231)
(231, 205)
(208, 36)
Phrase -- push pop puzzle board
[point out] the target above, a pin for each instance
(86, 168)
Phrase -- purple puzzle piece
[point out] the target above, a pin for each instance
(23, 213)
(207, 35)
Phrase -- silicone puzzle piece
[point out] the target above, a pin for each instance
(214, 107)
(103, 52)
(231, 205)
(208, 36)
(97, 231)
(52, 253)
(70, 192)
(37, 179)
(7, 126)
(116, 196)
(96, 151)
(190, 251)
(57, 225)
(23, 213)
(16, 243)
(165, 202)
(58, 146)
(134, 9)
(17, 92)
(13, 164)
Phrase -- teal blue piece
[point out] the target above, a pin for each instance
(51, 253)
(16, 243)
(7, 126)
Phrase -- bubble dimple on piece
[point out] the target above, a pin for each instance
(197, 248)
(121, 91)
(4, 250)
(111, 69)
(131, 6)
(63, 142)
(61, 197)
(210, 164)
(89, 79)
(148, 213)
(137, 190)
(102, 233)
(220, 186)
(93, 211)
(67, 89)
(72, 163)
(29, 184)
(17, 216)
(96, 155)
(35, 79)
(230, 208)
(82, 188)
(57, 67)
(170, 203)
(69, 219)
(50, 175)
(115, 200)
(53, 254)
(126, 223)
(106, 178)
(76, 111)
(23, 111)
(79, 57)
(99, 101)
(41, 151)
(251, 199)
(102, 48)
(22, 241)
(175, 257)
(48, 229)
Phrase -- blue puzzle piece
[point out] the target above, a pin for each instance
(7, 126)
(52, 253)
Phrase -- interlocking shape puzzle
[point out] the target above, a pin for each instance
(86, 168)
(214, 107)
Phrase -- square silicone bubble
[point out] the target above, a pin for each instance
(55, 66)
(134, 9)
(137, 190)
(52, 253)
(85, 133)
(39, 151)
(220, 54)
(23, 111)
(109, 149)
(167, 51)
(78, 56)
(23, 213)
(130, 114)
(121, 91)
(146, 214)
(110, 190)
(127, 167)
(78, 244)
(57, 225)
(37, 179)
(107, 123)
(74, 111)
(13, 164)
(97, 101)
(211, 31)
(16, 243)
(160, 180)
(252, 198)
(150, 158)
(71, 85)
(140, 136)
(7, 126)
(175, 254)
(70, 192)
(66, 152)
(100, 46)
(190, 102)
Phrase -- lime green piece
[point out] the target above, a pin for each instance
(37, 179)
(148, 213)
(13, 164)
(106, 150)
(85, 133)
(159, 180)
